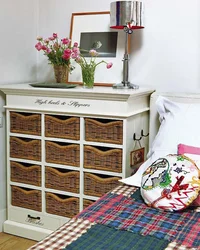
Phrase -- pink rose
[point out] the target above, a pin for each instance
(44, 47)
(66, 56)
(38, 46)
(76, 50)
(65, 41)
(56, 46)
(55, 35)
(74, 55)
(46, 41)
(109, 65)
(67, 51)
(48, 51)
(39, 38)
(51, 38)
(75, 44)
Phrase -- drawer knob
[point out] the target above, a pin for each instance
(34, 218)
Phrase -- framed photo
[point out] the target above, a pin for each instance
(136, 157)
(88, 28)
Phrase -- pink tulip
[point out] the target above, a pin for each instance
(55, 35)
(109, 65)
(38, 46)
(78, 59)
(93, 52)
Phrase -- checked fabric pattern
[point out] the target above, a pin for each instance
(107, 238)
(120, 220)
(125, 213)
(64, 235)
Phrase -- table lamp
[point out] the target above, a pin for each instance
(126, 15)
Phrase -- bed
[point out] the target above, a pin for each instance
(121, 219)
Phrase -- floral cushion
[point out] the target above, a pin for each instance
(171, 183)
(193, 153)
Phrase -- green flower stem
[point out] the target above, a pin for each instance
(100, 63)
(88, 72)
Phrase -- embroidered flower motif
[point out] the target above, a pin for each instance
(180, 158)
(193, 168)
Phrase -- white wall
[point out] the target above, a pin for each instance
(18, 23)
(164, 55)
(170, 54)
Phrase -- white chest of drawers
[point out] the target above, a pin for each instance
(65, 148)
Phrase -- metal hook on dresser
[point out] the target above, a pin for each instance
(139, 138)
(142, 134)
(136, 139)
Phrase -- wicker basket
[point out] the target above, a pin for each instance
(87, 203)
(26, 198)
(24, 148)
(62, 153)
(103, 158)
(62, 179)
(62, 127)
(61, 72)
(104, 130)
(25, 123)
(97, 185)
(25, 173)
(62, 205)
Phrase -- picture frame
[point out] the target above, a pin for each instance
(94, 22)
(137, 156)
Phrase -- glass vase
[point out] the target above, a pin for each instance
(61, 73)
(88, 76)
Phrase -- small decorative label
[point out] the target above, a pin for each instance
(72, 103)
(34, 221)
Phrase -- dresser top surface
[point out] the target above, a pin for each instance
(100, 93)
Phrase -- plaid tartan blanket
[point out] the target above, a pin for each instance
(121, 220)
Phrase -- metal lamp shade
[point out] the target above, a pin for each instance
(124, 12)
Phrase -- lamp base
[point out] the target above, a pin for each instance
(125, 86)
